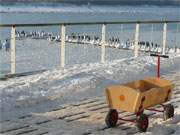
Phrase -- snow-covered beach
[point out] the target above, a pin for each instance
(75, 83)
(81, 108)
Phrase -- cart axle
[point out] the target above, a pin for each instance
(155, 110)
(128, 120)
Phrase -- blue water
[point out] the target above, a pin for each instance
(44, 13)
(72, 13)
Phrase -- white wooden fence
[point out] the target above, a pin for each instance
(103, 38)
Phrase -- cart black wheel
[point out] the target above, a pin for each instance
(142, 123)
(111, 118)
(168, 111)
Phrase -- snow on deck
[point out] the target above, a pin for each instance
(87, 117)
(41, 92)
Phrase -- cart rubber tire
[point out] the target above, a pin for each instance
(168, 111)
(111, 118)
(142, 123)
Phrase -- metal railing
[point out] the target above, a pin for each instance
(87, 23)
(103, 36)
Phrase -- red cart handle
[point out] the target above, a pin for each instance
(158, 62)
(159, 55)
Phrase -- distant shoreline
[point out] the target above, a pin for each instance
(80, 8)
(95, 2)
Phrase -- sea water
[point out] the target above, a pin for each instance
(41, 54)
(52, 13)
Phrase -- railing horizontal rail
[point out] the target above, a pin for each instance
(86, 23)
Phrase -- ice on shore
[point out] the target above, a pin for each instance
(85, 79)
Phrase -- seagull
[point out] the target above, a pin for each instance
(0, 45)
(7, 44)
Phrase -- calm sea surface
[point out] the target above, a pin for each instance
(37, 54)
(44, 13)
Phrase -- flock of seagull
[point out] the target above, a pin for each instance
(91, 40)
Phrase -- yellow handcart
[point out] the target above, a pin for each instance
(138, 96)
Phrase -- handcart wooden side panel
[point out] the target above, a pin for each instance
(139, 95)
(121, 97)
(163, 83)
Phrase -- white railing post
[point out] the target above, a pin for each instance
(121, 30)
(136, 46)
(164, 38)
(176, 38)
(103, 43)
(13, 50)
(63, 40)
(152, 30)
